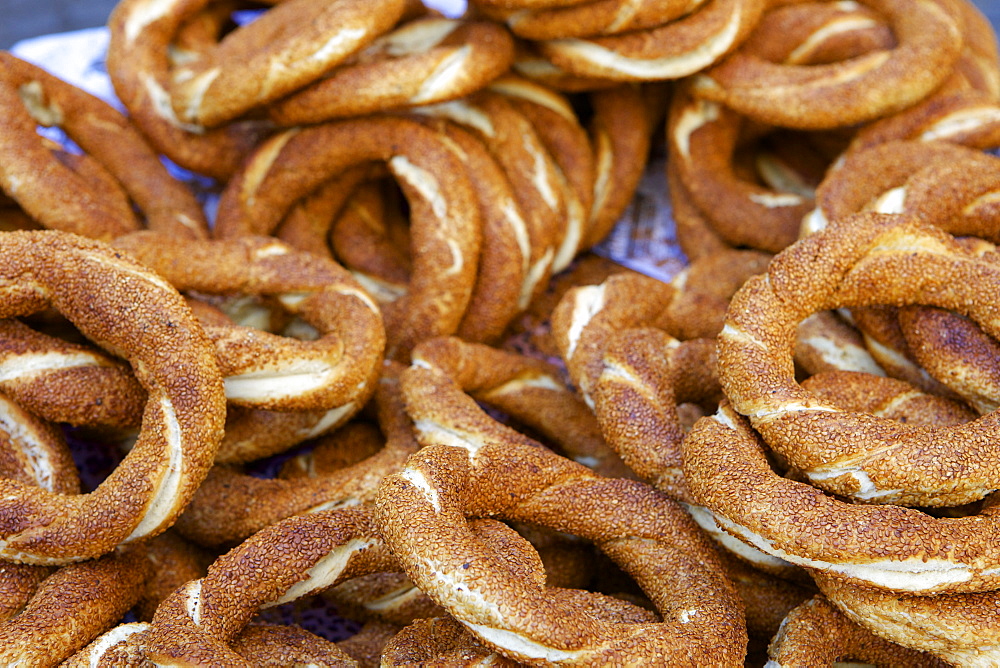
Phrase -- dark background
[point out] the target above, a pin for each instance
(29, 18)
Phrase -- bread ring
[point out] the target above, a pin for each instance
(370, 237)
(445, 225)
(504, 284)
(59, 198)
(929, 37)
(980, 61)
(423, 61)
(703, 137)
(444, 639)
(34, 453)
(18, 583)
(805, 33)
(387, 597)
(621, 131)
(635, 400)
(877, 178)
(559, 128)
(175, 561)
(884, 339)
(672, 50)
(816, 633)
(967, 117)
(956, 352)
(119, 304)
(695, 235)
(276, 645)
(73, 606)
(291, 559)
(444, 560)
(957, 196)
(286, 48)
(529, 63)
(231, 506)
(888, 398)
(257, 644)
(825, 342)
(307, 225)
(440, 640)
(140, 33)
(727, 471)
(867, 469)
(691, 306)
(268, 371)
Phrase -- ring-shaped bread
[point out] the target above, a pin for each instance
(889, 547)
(231, 506)
(671, 50)
(287, 47)
(865, 259)
(427, 60)
(49, 376)
(816, 633)
(300, 556)
(474, 467)
(71, 607)
(57, 197)
(960, 629)
(127, 309)
(269, 371)
(445, 226)
(141, 38)
(928, 43)
(586, 19)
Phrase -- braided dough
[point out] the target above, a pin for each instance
(422, 513)
(869, 259)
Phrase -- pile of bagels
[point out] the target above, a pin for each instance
(322, 286)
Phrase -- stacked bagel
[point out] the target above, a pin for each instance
(381, 370)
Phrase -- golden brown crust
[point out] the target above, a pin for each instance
(73, 606)
(869, 259)
(67, 382)
(702, 138)
(817, 634)
(929, 42)
(423, 61)
(531, 393)
(230, 506)
(58, 197)
(445, 230)
(141, 32)
(123, 307)
(670, 50)
(957, 628)
(286, 48)
(584, 19)
(621, 131)
(420, 512)
(293, 558)
(887, 546)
